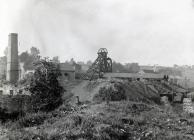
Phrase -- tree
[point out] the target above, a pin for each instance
(89, 62)
(170, 71)
(175, 66)
(80, 63)
(24, 56)
(118, 67)
(6, 51)
(45, 89)
(134, 68)
(34, 51)
(72, 61)
(56, 59)
(29, 58)
(127, 68)
(3, 62)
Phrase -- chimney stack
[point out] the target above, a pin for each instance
(12, 74)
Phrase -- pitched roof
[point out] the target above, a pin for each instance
(152, 76)
(121, 75)
(149, 71)
(146, 67)
(66, 67)
(134, 75)
(180, 90)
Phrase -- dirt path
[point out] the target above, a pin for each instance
(86, 90)
(80, 91)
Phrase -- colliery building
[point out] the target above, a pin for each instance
(67, 72)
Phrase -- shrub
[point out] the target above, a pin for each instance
(24, 135)
(5, 116)
(30, 120)
(113, 133)
(45, 89)
(114, 92)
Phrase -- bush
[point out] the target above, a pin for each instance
(5, 116)
(114, 92)
(30, 120)
(113, 133)
(24, 135)
(45, 89)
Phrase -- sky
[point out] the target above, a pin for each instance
(144, 31)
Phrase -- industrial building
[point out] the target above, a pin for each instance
(67, 72)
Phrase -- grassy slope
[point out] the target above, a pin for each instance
(116, 120)
(119, 120)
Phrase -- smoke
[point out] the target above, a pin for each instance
(131, 30)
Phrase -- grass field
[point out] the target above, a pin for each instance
(114, 120)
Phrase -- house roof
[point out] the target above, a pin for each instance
(121, 75)
(152, 76)
(191, 94)
(180, 90)
(85, 67)
(66, 67)
(175, 77)
(133, 75)
(149, 71)
(146, 67)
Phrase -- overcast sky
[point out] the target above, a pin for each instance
(145, 31)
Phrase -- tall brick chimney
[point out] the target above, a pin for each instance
(12, 74)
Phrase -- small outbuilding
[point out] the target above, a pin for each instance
(67, 72)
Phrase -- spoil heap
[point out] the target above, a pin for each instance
(133, 91)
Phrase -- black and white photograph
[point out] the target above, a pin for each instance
(96, 69)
